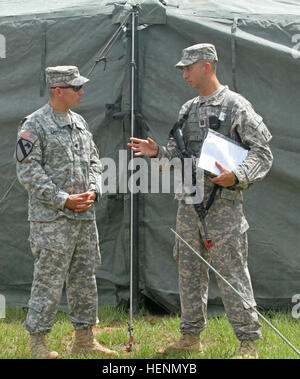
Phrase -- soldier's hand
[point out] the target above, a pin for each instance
(146, 147)
(226, 178)
(80, 202)
(92, 195)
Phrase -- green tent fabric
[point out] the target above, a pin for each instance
(259, 53)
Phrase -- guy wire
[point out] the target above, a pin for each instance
(245, 300)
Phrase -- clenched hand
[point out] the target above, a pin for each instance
(80, 202)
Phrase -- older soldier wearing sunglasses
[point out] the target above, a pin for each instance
(58, 164)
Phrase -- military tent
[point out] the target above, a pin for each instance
(258, 44)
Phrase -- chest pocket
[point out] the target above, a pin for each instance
(194, 131)
(59, 145)
(225, 125)
(193, 141)
(222, 122)
(81, 143)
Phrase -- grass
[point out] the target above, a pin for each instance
(151, 333)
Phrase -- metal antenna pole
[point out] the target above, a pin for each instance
(108, 46)
(245, 300)
(133, 196)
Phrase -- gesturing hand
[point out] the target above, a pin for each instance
(226, 178)
(146, 147)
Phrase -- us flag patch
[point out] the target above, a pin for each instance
(28, 136)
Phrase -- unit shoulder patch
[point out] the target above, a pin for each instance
(25, 145)
(23, 149)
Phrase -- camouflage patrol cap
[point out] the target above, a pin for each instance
(67, 74)
(201, 51)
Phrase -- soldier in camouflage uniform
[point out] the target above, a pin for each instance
(59, 166)
(233, 117)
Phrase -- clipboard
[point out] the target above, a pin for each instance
(226, 151)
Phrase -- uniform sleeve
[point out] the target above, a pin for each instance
(96, 170)
(31, 174)
(256, 137)
(170, 151)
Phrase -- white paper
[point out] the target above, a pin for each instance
(217, 148)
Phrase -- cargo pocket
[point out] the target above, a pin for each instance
(228, 194)
(94, 246)
(56, 235)
(37, 307)
(34, 316)
(194, 141)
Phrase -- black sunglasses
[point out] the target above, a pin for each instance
(74, 88)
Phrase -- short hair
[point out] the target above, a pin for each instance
(213, 64)
(51, 89)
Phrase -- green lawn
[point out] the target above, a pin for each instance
(151, 333)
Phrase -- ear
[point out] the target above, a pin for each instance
(207, 67)
(57, 91)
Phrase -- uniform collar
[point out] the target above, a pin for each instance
(215, 98)
(60, 118)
